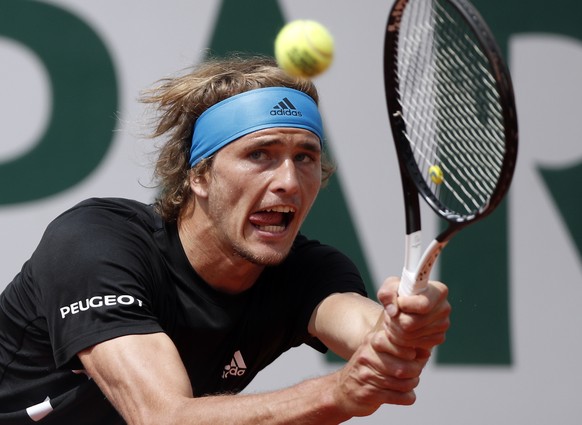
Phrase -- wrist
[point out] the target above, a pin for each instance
(334, 405)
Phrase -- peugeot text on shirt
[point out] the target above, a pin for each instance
(98, 301)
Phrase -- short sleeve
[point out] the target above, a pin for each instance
(93, 282)
(322, 271)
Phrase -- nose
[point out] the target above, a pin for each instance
(285, 178)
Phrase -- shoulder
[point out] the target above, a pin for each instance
(110, 209)
(97, 215)
(312, 252)
(101, 226)
(305, 246)
(99, 246)
(312, 264)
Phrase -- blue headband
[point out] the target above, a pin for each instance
(252, 111)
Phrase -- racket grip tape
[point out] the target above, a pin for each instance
(416, 281)
(410, 284)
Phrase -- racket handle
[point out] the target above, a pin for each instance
(410, 285)
(414, 282)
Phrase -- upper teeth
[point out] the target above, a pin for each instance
(280, 209)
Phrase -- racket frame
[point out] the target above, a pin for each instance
(417, 266)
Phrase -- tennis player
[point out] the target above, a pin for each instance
(161, 314)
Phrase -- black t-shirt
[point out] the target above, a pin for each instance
(111, 267)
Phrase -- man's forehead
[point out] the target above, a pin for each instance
(277, 137)
(282, 135)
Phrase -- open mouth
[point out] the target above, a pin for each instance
(273, 219)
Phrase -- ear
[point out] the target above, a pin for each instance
(199, 184)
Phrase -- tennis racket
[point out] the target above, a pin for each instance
(453, 119)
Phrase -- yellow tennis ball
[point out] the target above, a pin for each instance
(436, 174)
(304, 48)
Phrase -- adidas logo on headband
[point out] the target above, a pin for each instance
(285, 107)
(248, 112)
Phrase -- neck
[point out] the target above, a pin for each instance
(221, 268)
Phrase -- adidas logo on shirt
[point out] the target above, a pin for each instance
(285, 107)
(237, 366)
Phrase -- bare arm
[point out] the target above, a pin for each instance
(387, 345)
(342, 321)
(144, 378)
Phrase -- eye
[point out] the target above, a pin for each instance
(302, 157)
(305, 157)
(258, 155)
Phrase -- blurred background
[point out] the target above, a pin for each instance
(71, 127)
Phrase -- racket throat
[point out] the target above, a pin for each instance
(412, 250)
(417, 268)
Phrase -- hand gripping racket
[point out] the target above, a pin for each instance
(452, 113)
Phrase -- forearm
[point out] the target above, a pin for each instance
(144, 379)
(370, 378)
(341, 322)
(309, 402)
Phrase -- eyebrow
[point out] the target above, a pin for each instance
(266, 141)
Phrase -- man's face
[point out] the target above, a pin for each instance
(260, 190)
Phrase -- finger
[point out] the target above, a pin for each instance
(429, 314)
(378, 366)
(388, 292)
(361, 397)
(424, 337)
(415, 325)
(425, 302)
(418, 321)
(381, 342)
(370, 371)
(417, 331)
(360, 391)
(425, 343)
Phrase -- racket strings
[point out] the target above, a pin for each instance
(450, 105)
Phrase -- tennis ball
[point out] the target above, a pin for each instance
(304, 48)
(436, 174)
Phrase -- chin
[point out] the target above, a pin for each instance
(266, 257)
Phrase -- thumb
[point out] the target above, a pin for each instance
(388, 295)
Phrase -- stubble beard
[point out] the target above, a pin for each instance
(247, 254)
(244, 250)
